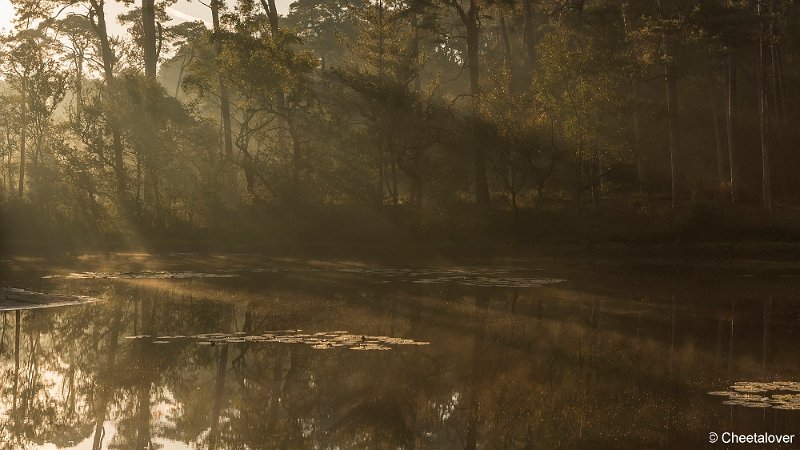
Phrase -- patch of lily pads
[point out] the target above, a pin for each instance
(146, 274)
(783, 395)
(481, 281)
(323, 340)
(469, 276)
(491, 277)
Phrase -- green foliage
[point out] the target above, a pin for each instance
(354, 104)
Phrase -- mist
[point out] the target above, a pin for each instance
(398, 223)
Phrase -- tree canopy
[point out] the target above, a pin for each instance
(420, 107)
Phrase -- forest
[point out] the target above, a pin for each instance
(398, 224)
(368, 121)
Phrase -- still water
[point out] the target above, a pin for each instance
(246, 352)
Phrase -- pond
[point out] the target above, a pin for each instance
(187, 351)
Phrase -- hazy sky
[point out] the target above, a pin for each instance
(182, 11)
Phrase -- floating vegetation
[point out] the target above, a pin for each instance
(12, 299)
(255, 270)
(146, 274)
(757, 394)
(468, 276)
(370, 347)
(420, 272)
(319, 341)
(481, 281)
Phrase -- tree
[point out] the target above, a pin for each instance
(80, 39)
(469, 15)
(224, 96)
(39, 83)
(247, 62)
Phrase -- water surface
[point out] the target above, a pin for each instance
(243, 351)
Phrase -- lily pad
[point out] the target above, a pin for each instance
(783, 395)
(322, 340)
(481, 281)
(146, 274)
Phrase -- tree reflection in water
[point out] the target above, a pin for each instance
(585, 364)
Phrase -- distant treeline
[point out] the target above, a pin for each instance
(427, 106)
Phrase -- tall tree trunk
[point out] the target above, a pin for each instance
(106, 52)
(416, 178)
(143, 433)
(722, 172)
(224, 96)
(766, 169)
(393, 167)
(227, 314)
(732, 124)
(23, 138)
(17, 330)
(638, 154)
(528, 37)
(641, 168)
(219, 397)
(779, 123)
(186, 60)
(472, 24)
(149, 28)
(671, 84)
(249, 174)
(280, 97)
(476, 371)
(79, 61)
(104, 391)
(779, 103)
(109, 60)
(296, 157)
(579, 176)
(506, 44)
(777, 70)
(9, 148)
(676, 168)
(416, 183)
(596, 175)
(415, 56)
(508, 79)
